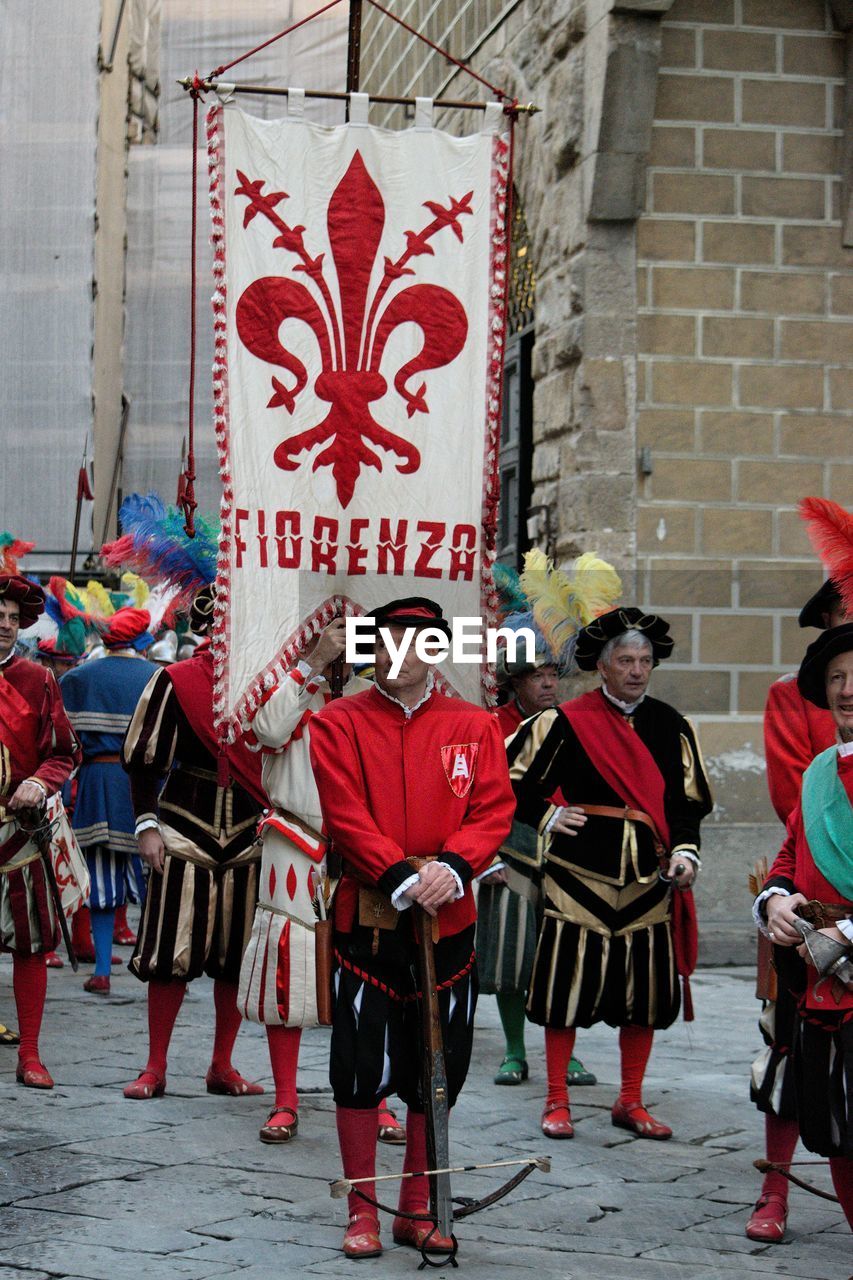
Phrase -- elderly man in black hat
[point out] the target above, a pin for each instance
(811, 881)
(635, 791)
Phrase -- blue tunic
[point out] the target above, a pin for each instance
(100, 698)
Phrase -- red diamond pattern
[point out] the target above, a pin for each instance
(292, 882)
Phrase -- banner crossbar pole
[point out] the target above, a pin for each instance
(454, 104)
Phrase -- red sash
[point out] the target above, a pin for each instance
(20, 725)
(626, 764)
(620, 756)
(193, 684)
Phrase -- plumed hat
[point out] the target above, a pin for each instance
(824, 600)
(28, 596)
(411, 611)
(68, 645)
(155, 545)
(554, 605)
(505, 669)
(128, 627)
(593, 638)
(201, 609)
(811, 678)
(830, 530)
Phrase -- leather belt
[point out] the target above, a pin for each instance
(626, 815)
(105, 757)
(194, 771)
(823, 914)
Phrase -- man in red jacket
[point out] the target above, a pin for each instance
(795, 731)
(38, 753)
(812, 880)
(415, 795)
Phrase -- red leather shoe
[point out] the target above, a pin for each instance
(635, 1117)
(54, 961)
(33, 1074)
(390, 1129)
(123, 936)
(412, 1233)
(148, 1085)
(361, 1238)
(99, 986)
(557, 1120)
(769, 1218)
(231, 1084)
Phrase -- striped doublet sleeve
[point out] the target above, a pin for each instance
(149, 746)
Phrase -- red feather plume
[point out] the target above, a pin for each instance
(830, 530)
(11, 551)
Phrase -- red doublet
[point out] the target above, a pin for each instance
(509, 717)
(34, 727)
(795, 869)
(394, 787)
(795, 731)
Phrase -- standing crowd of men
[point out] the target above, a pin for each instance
(581, 822)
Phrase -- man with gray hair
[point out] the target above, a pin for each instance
(614, 937)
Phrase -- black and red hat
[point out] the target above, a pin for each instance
(595, 635)
(127, 628)
(811, 677)
(28, 596)
(824, 600)
(411, 611)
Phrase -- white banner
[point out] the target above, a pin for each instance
(359, 324)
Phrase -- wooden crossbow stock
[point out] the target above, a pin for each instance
(772, 1166)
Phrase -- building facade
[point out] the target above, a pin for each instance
(686, 190)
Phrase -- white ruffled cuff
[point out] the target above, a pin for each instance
(401, 901)
(756, 907)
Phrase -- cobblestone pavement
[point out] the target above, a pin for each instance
(95, 1186)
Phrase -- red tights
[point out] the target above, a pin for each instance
(841, 1168)
(284, 1057)
(357, 1131)
(635, 1045)
(780, 1137)
(164, 1004)
(357, 1135)
(29, 982)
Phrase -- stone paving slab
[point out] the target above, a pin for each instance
(94, 1187)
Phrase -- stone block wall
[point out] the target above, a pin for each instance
(745, 367)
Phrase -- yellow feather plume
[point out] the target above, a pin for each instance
(136, 588)
(596, 586)
(560, 604)
(98, 599)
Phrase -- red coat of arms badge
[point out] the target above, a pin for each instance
(459, 760)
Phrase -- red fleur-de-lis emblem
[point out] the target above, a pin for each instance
(62, 864)
(351, 336)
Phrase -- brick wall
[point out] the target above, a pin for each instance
(745, 340)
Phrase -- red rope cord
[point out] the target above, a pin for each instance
(438, 49)
(218, 71)
(394, 995)
(187, 481)
(513, 116)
